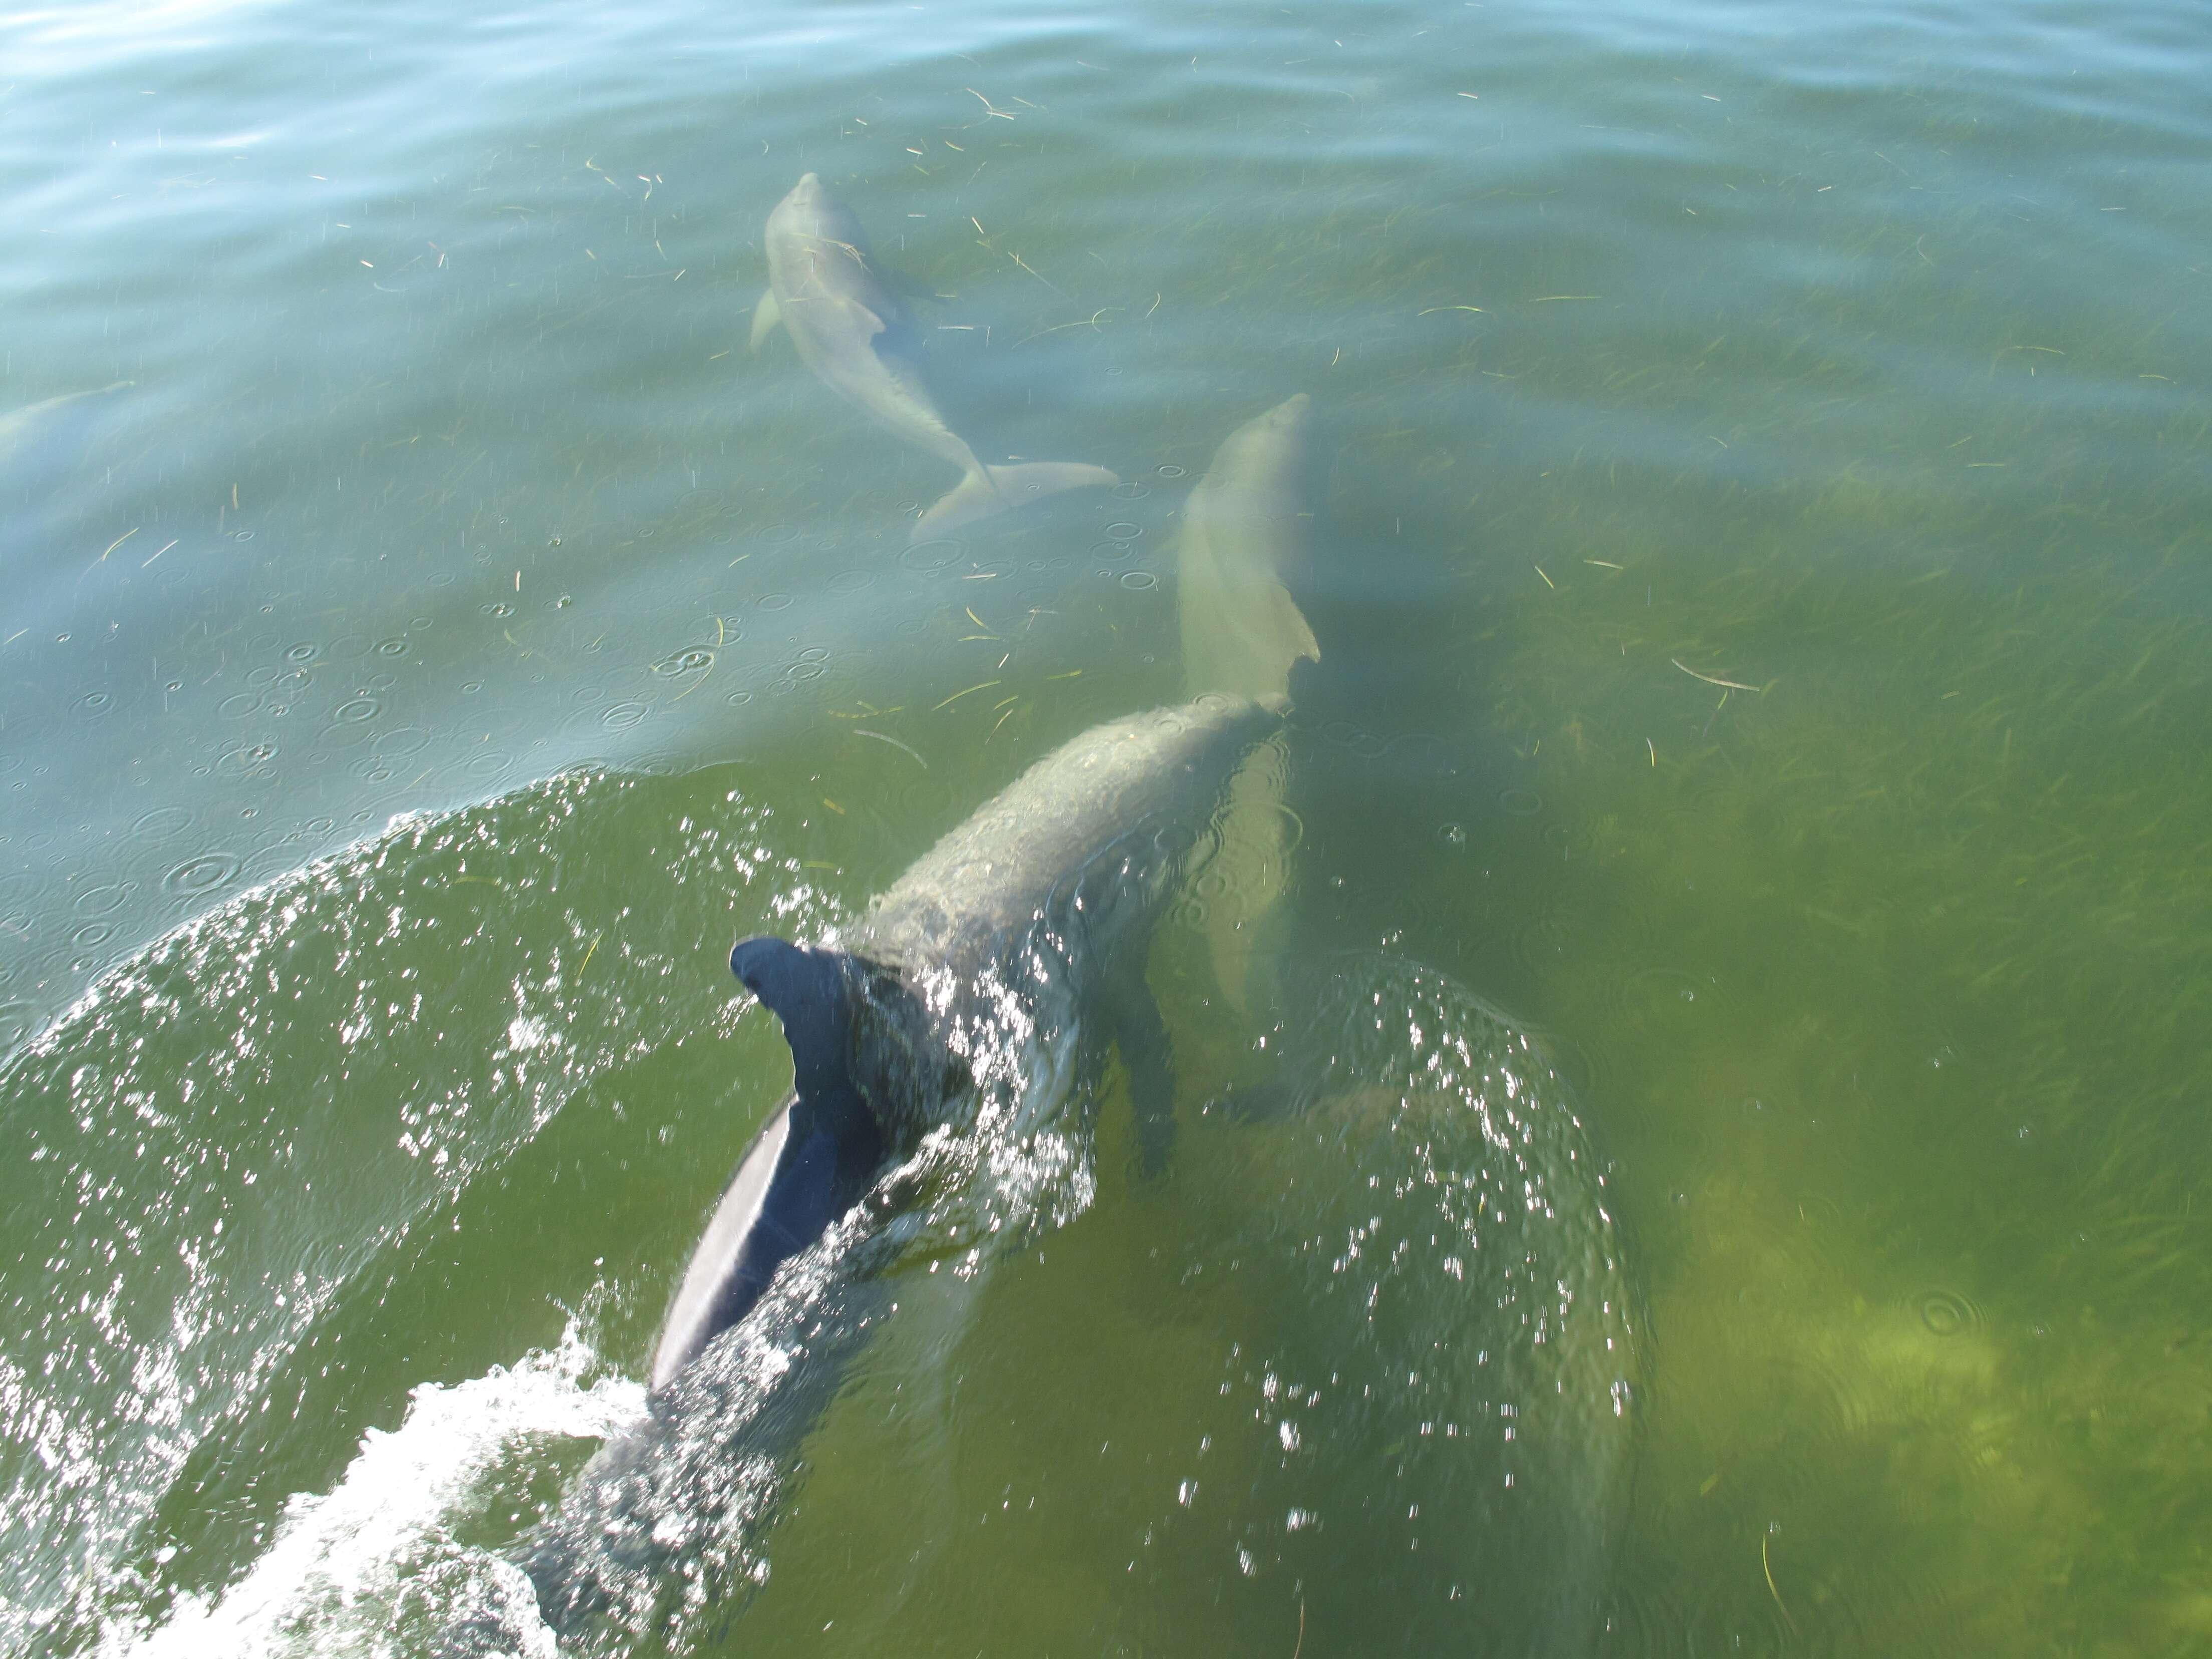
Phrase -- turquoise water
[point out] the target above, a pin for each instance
(1760, 556)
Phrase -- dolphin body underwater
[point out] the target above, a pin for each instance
(936, 1046)
(857, 336)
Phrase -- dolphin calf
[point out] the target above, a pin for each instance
(854, 333)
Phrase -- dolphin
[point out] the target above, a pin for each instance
(854, 333)
(1243, 524)
(937, 1045)
(1048, 895)
(982, 984)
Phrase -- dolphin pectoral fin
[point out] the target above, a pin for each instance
(1141, 1035)
(995, 489)
(766, 315)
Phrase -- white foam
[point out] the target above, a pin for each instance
(345, 1566)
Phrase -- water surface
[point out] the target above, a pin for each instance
(1760, 561)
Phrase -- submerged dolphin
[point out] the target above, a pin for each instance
(1243, 525)
(854, 332)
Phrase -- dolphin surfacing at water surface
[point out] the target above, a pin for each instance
(857, 336)
(937, 1045)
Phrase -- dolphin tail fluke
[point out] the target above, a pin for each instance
(766, 315)
(995, 488)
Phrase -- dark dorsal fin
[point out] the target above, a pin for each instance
(808, 991)
(814, 1159)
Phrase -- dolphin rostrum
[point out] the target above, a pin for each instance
(854, 332)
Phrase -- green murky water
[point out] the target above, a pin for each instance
(1760, 555)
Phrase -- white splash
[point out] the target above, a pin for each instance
(349, 1569)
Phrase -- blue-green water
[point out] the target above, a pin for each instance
(1760, 549)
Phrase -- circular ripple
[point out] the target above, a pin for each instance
(16, 1022)
(931, 556)
(1520, 803)
(104, 901)
(1946, 1313)
(400, 741)
(1122, 533)
(162, 823)
(1110, 551)
(1171, 472)
(851, 581)
(1139, 579)
(357, 710)
(250, 758)
(776, 602)
(1654, 991)
(1132, 490)
(203, 874)
(622, 716)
